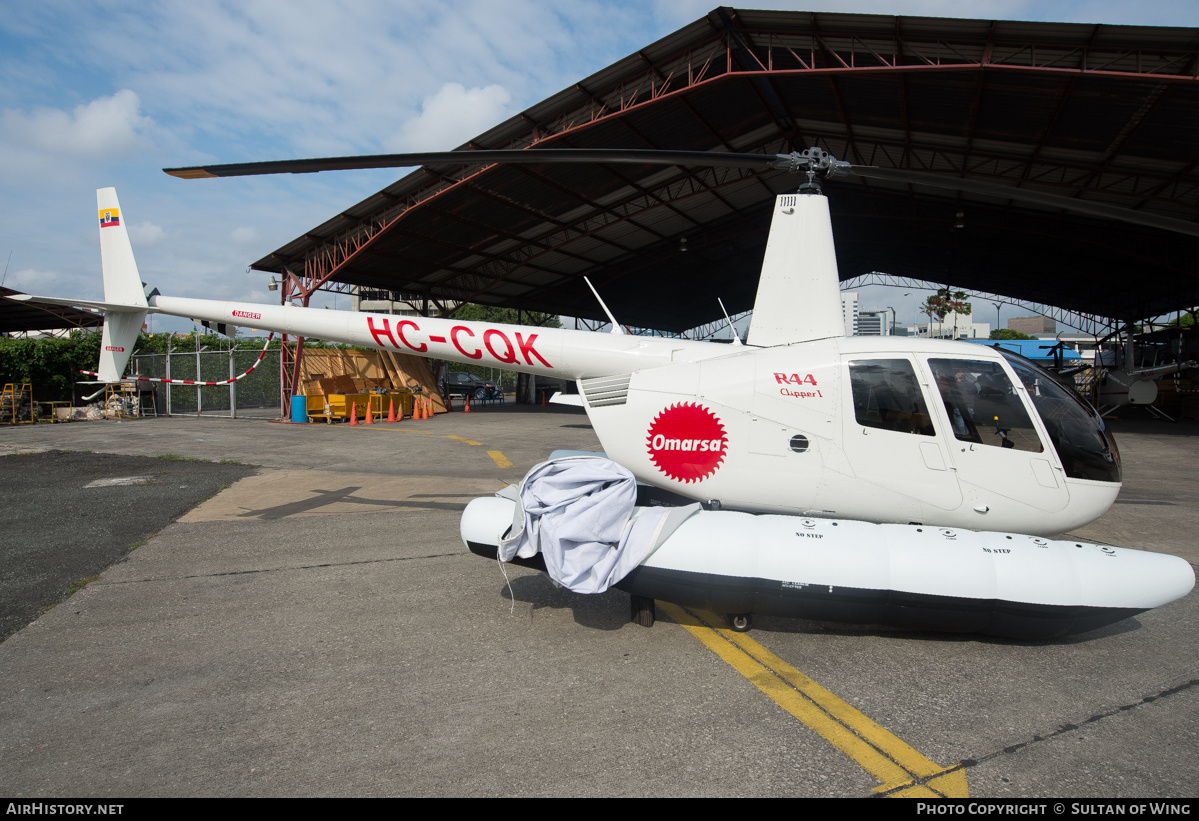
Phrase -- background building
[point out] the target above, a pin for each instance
(873, 323)
(1032, 325)
(953, 326)
(380, 301)
(849, 313)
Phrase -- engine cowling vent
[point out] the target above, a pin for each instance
(602, 391)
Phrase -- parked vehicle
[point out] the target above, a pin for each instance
(459, 383)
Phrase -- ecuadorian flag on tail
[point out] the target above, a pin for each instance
(110, 217)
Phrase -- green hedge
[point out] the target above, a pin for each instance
(51, 366)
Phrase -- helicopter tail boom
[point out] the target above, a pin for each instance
(557, 352)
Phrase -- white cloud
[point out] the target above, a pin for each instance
(451, 117)
(1126, 12)
(144, 234)
(101, 128)
(244, 235)
(33, 281)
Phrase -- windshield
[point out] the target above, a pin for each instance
(1079, 434)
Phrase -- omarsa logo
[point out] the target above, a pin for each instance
(687, 442)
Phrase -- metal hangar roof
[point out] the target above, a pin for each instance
(25, 317)
(1096, 112)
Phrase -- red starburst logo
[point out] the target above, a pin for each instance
(687, 442)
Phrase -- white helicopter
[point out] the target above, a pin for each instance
(876, 479)
(1130, 385)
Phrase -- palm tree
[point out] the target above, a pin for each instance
(945, 301)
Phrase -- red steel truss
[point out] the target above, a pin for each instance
(760, 55)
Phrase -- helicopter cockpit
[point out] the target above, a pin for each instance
(951, 429)
(1078, 433)
(984, 408)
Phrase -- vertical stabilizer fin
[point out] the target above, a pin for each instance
(799, 294)
(122, 282)
(122, 286)
(120, 335)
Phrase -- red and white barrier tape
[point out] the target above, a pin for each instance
(1179, 389)
(261, 354)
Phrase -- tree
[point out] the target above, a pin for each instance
(944, 302)
(508, 316)
(1008, 333)
(1187, 320)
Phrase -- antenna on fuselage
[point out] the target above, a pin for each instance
(616, 329)
(736, 336)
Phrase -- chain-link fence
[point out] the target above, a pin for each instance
(259, 394)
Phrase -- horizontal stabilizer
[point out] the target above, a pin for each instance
(93, 304)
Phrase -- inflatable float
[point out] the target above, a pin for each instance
(907, 576)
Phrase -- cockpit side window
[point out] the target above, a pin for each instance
(886, 395)
(983, 405)
(1079, 434)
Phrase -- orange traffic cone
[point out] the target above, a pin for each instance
(420, 409)
(353, 413)
(400, 418)
(467, 408)
(543, 402)
(391, 411)
(370, 418)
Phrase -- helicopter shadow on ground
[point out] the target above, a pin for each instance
(779, 624)
(601, 611)
(610, 611)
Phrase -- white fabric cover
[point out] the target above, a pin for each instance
(580, 513)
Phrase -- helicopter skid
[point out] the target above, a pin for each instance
(906, 576)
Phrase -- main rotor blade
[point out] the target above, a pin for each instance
(932, 179)
(531, 156)
(815, 159)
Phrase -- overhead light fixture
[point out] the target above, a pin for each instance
(274, 284)
(961, 220)
(682, 244)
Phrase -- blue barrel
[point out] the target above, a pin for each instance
(299, 409)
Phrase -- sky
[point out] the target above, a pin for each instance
(95, 95)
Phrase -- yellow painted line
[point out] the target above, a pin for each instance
(501, 461)
(463, 439)
(900, 769)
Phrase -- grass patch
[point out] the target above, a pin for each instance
(129, 549)
(174, 457)
(79, 585)
(236, 463)
(71, 591)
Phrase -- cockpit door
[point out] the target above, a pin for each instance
(995, 444)
(891, 437)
